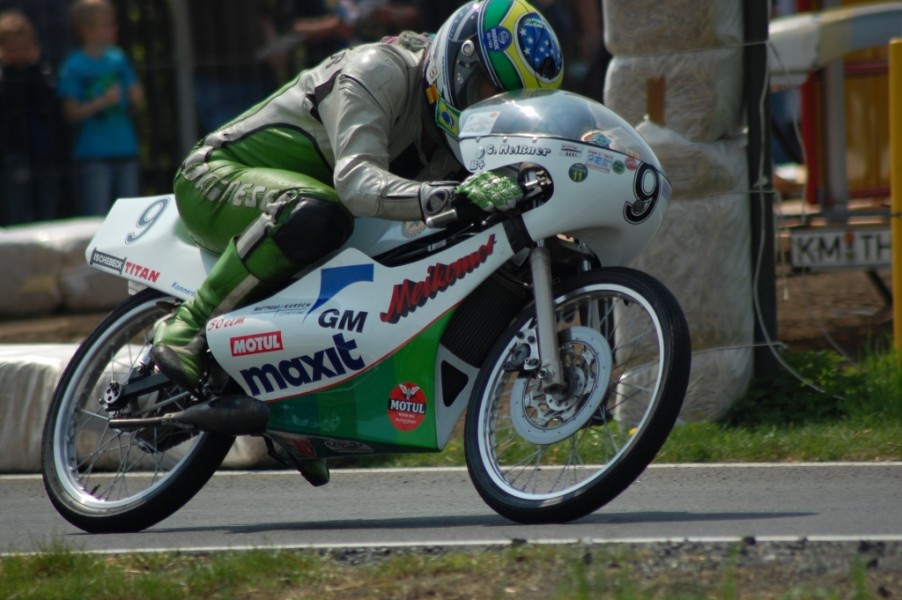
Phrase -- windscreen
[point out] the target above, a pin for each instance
(551, 113)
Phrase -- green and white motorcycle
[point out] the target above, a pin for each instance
(571, 367)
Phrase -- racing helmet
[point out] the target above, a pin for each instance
(498, 45)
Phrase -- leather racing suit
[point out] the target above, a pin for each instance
(277, 188)
(335, 133)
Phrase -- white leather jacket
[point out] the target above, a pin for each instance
(361, 108)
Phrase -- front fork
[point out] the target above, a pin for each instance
(550, 369)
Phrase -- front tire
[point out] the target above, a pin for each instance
(541, 457)
(106, 480)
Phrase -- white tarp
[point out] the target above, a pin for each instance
(702, 253)
(655, 27)
(703, 91)
(28, 375)
(43, 269)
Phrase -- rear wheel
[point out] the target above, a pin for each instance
(103, 479)
(540, 456)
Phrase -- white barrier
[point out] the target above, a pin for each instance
(43, 270)
(28, 375)
(692, 50)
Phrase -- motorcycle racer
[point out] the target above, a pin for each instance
(368, 132)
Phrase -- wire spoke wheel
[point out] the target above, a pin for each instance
(541, 456)
(103, 479)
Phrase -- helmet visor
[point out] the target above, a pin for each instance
(478, 87)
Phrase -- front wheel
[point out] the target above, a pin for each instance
(537, 456)
(102, 479)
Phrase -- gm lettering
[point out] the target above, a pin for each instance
(348, 320)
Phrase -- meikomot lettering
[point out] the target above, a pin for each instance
(409, 295)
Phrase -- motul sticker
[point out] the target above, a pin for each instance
(406, 406)
(256, 343)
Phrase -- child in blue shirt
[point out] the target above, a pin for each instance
(99, 87)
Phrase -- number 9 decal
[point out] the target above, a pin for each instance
(150, 216)
(646, 187)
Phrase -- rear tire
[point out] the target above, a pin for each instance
(541, 457)
(105, 480)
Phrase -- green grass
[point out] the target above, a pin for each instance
(836, 412)
(825, 409)
(568, 572)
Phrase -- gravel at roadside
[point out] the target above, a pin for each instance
(691, 569)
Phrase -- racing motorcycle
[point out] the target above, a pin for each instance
(570, 367)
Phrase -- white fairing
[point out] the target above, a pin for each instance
(332, 324)
(375, 236)
(346, 316)
(609, 189)
(143, 240)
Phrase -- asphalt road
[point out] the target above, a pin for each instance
(441, 507)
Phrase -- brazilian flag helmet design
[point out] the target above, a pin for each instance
(497, 45)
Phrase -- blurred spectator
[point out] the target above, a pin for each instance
(230, 72)
(51, 23)
(589, 66)
(324, 29)
(29, 125)
(99, 86)
(371, 20)
(315, 32)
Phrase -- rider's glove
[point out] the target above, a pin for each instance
(490, 191)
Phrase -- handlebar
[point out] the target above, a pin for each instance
(533, 180)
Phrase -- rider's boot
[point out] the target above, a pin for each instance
(180, 341)
(292, 232)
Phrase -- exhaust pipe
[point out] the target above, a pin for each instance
(228, 415)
